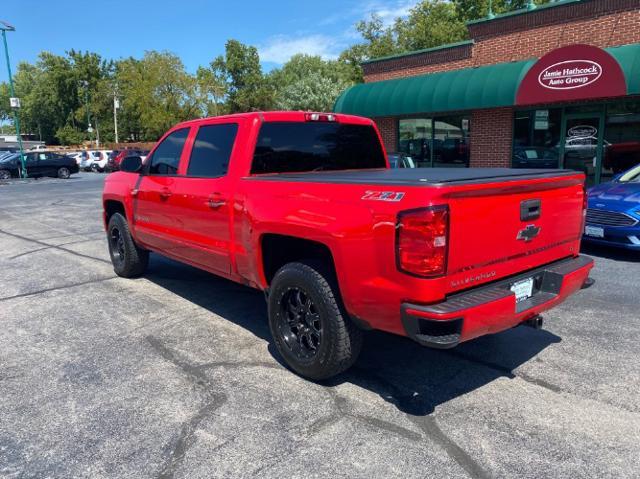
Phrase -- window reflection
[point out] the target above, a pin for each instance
(439, 142)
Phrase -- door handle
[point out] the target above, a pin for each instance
(216, 201)
(165, 193)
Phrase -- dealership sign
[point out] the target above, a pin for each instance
(576, 72)
(570, 74)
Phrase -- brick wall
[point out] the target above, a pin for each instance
(603, 23)
(453, 58)
(388, 127)
(490, 137)
(602, 29)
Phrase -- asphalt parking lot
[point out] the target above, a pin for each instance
(173, 375)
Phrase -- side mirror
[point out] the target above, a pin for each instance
(131, 164)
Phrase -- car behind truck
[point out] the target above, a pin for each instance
(304, 207)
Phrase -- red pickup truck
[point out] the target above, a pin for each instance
(304, 207)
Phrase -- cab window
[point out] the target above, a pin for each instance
(212, 150)
(166, 157)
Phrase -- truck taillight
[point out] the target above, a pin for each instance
(319, 117)
(422, 238)
(585, 205)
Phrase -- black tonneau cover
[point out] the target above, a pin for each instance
(417, 176)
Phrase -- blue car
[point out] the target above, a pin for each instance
(613, 214)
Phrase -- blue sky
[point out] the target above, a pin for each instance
(196, 30)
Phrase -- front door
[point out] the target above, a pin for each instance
(154, 216)
(581, 145)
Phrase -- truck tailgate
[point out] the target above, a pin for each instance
(497, 230)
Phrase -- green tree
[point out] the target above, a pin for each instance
(309, 83)
(247, 87)
(156, 93)
(213, 87)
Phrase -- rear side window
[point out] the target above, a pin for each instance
(314, 146)
(212, 150)
(166, 157)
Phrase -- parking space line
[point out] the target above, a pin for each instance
(56, 288)
(54, 247)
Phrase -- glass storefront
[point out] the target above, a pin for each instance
(599, 140)
(436, 142)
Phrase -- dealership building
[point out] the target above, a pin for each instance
(557, 86)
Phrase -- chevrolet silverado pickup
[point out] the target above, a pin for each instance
(304, 207)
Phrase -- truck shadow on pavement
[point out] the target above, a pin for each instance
(617, 254)
(413, 378)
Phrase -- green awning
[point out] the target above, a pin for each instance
(468, 89)
(628, 56)
(490, 86)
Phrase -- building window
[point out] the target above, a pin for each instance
(536, 138)
(415, 139)
(621, 138)
(436, 142)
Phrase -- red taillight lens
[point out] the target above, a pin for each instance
(422, 240)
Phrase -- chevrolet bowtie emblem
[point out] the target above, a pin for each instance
(527, 234)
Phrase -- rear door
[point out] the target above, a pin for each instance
(155, 224)
(202, 199)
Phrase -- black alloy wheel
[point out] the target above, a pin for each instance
(116, 245)
(308, 323)
(300, 325)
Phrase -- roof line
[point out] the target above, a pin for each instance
(524, 11)
(418, 52)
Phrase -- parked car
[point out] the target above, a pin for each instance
(613, 214)
(41, 163)
(76, 155)
(38, 148)
(534, 157)
(306, 209)
(87, 158)
(100, 158)
(453, 150)
(116, 157)
(400, 160)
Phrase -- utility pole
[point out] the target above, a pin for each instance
(116, 105)
(85, 84)
(15, 102)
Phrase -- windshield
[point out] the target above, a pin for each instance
(316, 146)
(631, 176)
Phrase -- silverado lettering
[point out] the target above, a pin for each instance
(274, 200)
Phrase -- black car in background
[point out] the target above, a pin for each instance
(39, 163)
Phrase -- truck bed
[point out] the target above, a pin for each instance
(418, 176)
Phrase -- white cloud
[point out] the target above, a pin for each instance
(280, 48)
(389, 11)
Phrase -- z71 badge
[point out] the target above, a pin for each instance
(383, 195)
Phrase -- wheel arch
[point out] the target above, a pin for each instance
(278, 249)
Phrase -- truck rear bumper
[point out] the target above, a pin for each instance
(493, 308)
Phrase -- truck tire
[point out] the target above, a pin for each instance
(128, 259)
(308, 323)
